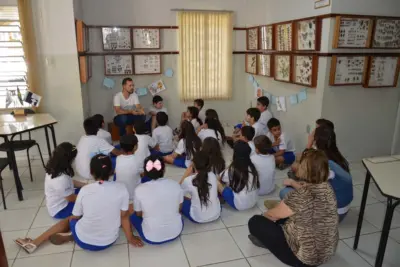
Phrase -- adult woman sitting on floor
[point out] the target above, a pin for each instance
(308, 235)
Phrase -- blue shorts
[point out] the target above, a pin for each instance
(289, 157)
(187, 203)
(72, 224)
(145, 180)
(67, 211)
(229, 197)
(180, 162)
(238, 126)
(137, 223)
(285, 191)
(159, 153)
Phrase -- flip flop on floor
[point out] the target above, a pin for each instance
(61, 238)
(26, 244)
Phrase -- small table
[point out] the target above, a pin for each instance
(386, 173)
(11, 126)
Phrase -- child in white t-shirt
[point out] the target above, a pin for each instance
(216, 161)
(282, 147)
(189, 143)
(203, 205)
(145, 142)
(163, 136)
(88, 146)
(58, 183)
(99, 119)
(247, 135)
(266, 115)
(100, 209)
(240, 183)
(129, 166)
(192, 115)
(158, 106)
(157, 204)
(265, 164)
(252, 117)
(212, 128)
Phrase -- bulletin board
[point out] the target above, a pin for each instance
(387, 34)
(305, 70)
(266, 37)
(147, 64)
(383, 72)
(282, 68)
(251, 63)
(116, 38)
(265, 65)
(307, 35)
(118, 65)
(348, 70)
(284, 37)
(146, 38)
(352, 32)
(252, 38)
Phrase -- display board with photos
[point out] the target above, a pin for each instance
(352, 32)
(252, 38)
(348, 70)
(383, 71)
(118, 64)
(284, 37)
(282, 68)
(251, 63)
(116, 38)
(146, 38)
(306, 33)
(305, 68)
(147, 64)
(387, 34)
(267, 37)
(264, 65)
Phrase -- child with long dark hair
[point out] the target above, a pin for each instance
(59, 185)
(239, 183)
(193, 117)
(203, 205)
(189, 143)
(157, 204)
(212, 149)
(212, 128)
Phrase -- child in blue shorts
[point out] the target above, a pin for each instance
(163, 136)
(282, 146)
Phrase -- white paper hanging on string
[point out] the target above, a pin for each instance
(281, 103)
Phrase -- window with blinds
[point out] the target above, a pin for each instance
(13, 81)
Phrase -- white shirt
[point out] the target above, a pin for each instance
(126, 104)
(100, 206)
(266, 115)
(156, 110)
(144, 142)
(204, 133)
(265, 166)
(105, 135)
(286, 144)
(181, 149)
(163, 136)
(245, 199)
(201, 213)
(159, 201)
(259, 129)
(253, 147)
(127, 171)
(88, 147)
(195, 124)
(56, 190)
(202, 115)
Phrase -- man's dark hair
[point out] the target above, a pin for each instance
(125, 80)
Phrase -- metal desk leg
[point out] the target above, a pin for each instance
(47, 140)
(13, 162)
(53, 135)
(362, 209)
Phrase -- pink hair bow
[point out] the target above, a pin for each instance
(153, 165)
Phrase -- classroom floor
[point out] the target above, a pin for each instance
(222, 243)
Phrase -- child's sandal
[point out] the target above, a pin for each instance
(26, 244)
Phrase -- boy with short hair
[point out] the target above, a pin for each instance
(158, 106)
(266, 115)
(163, 136)
(144, 141)
(253, 115)
(99, 119)
(247, 135)
(265, 164)
(282, 146)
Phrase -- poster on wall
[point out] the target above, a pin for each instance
(252, 38)
(282, 68)
(305, 70)
(321, 3)
(383, 72)
(147, 64)
(283, 35)
(264, 65)
(348, 70)
(266, 37)
(352, 32)
(118, 65)
(116, 38)
(146, 38)
(251, 63)
(387, 33)
(156, 87)
(306, 34)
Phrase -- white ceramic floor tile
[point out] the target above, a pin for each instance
(43, 219)
(235, 263)
(395, 234)
(358, 176)
(357, 197)
(368, 247)
(11, 248)
(59, 260)
(372, 191)
(375, 214)
(345, 257)
(46, 248)
(38, 173)
(10, 263)
(116, 255)
(240, 235)
(8, 174)
(347, 228)
(210, 247)
(168, 255)
(32, 199)
(268, 260)
(8, 184)
(120, 241)
(231, 217)
(34, 163)
(37, 184)
(11, 220)
(191, 228)
(281, 174)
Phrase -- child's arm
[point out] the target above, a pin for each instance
(279, 153)
(78, 184)
(116, 152)
(188, 172)
(126, 226)
(71, 198)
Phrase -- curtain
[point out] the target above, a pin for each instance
(205, 55)
(29, 43)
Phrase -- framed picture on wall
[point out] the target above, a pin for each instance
(251, 63)
(352, 32)
(348, 70)
(284, 36)
(307, 35)
(116, 38)
(387, 34)
(118, 65)
(146, 38)
(266, 37)
(252, 38)
(265, 65)
(147, 64)
(305, 70)
(383, 72)
(283, 69)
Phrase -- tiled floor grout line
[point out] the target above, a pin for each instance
(357, 254)
(184, 251)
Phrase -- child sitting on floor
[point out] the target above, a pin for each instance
(158, 106)
(265, 164)
(189, 143)
(99, 120)
(157, 204)
(240, 183)
(282, 146)
(100, 209)
(88, 146)
(163, 136)
(212, 148)
(193, 116)
(129, 166)
(59, 185)
(247, 135)
(199, 103)
(145, 142)
(253, 115)
(262, 106)
(203, 205)
(212, 128)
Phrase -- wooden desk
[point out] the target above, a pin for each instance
(386, 173)
(11, 126)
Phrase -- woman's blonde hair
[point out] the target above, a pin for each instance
(313, 167)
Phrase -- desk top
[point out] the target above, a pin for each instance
(10, 124)
(386, 174)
